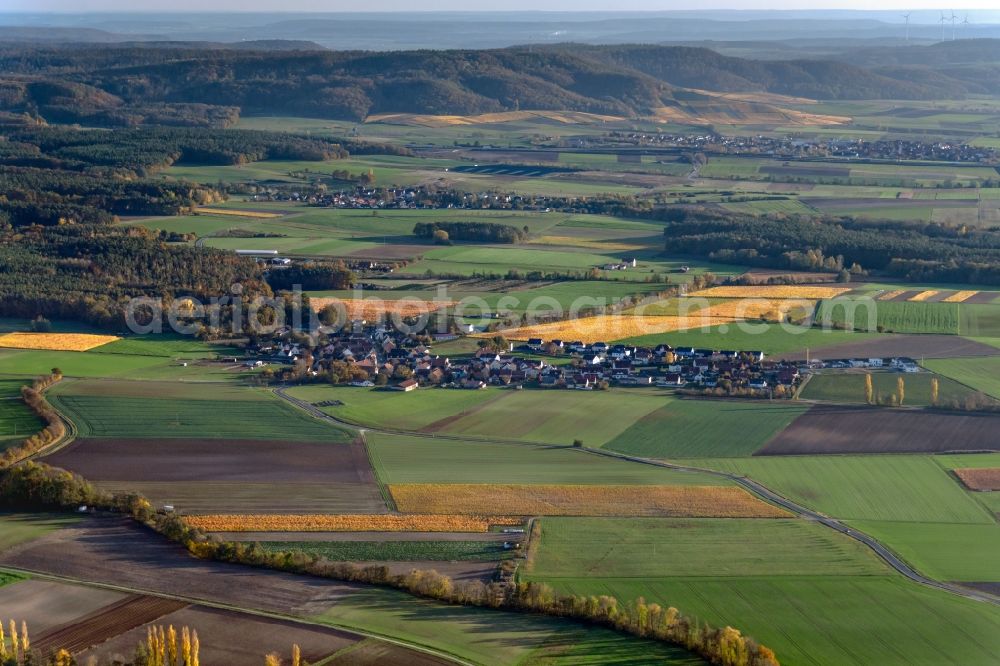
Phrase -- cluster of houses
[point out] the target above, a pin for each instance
(380, 355)
(790, 147)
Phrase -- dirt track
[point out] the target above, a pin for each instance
(832, 429)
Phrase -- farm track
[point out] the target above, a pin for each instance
(757, 489)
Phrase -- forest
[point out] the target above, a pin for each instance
(209, 86)
(918, 251)
(484, 232)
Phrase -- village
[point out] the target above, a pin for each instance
(379, 356)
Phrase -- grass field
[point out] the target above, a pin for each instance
(891, 488)
(982, 374)
(16, 420)
(248, 414)
(894, 316)
(771, 339)
(850, 387)
(165, 345)
(76, 364)
(556, 417)
(814, 620)
(683, 547)
(701, 428)
(944, 551)
(494, 637)
(393, 409)
(411, 459)
(345, 551)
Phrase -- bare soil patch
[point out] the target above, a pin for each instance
(982, 297)
(831, 429)
(110, 621)
(221, 475)
(46, 605)
(984, 479)
(892, 345)
(116, 551)
(236, 639)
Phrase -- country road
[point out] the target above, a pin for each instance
(747, 483)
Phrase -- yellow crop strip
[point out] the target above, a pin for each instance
(611, 327)
(55, 341)
(812, 292)
(924, 295)
(371, 309)
(347, 523)
(239, 213)
(574, 500)
(960, 296)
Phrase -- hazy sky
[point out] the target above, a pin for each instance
(83, 6)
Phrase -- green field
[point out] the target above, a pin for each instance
(827, 619)
(74, 364)
(557, 417)
(681, 547)
(811, 594)
(494, 637)
(850, 387)
(345, 551)
(771, 339)
(412, 459)
(944, 551)
(16, 420)
(393, 409)
(173, 346)
(249, 414)
(982, 374)
(18, 528)
(892, 488)
(893, 316)
(702, 428)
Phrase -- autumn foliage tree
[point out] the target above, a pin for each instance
(869, 390)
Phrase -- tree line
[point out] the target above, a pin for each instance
(484, 232)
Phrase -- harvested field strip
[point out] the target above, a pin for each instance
(238, 213)
(377, 308)
(610, 327)
(770, 309)
(959, 296)
(772, 291)
(348, 523)
(925, 295)
(572, 500)
(983, 479)
(891, 295)
(110, 621)
(55, 341)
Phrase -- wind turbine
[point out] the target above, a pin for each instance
(953, 19)
(906, 18)
(943, 20)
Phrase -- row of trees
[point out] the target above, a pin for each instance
(54, 429)
(36, 485)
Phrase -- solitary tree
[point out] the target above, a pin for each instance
(900, 388)
(934, 391)
(869, 390)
